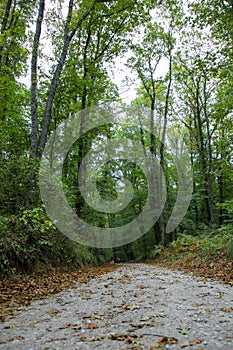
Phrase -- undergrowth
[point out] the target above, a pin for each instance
(206, 246)
(30, 243)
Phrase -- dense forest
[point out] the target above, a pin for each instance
(59, 59)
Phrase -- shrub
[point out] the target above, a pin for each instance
(30, 242)
(207, 246)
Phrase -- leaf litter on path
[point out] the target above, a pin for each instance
(103, 310)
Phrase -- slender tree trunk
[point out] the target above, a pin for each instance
(162, 159)
(192, 164)
(152, 122)
(82, 143)
(34, 80)
(210, 158)
(4, 25)
(201, 147)
(156, 228)
(53, 86)
(221, 182)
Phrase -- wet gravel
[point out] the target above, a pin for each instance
(138, 306)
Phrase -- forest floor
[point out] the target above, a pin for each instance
(125, 306)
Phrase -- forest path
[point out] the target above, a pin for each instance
(137, 306)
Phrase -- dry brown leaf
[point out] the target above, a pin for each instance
(85, 339)
(191, 343)
(129, 338)
(53, 312)
(168, 340)
(70, 325)
(94, 317)
(195, 342)
(227, 309)
(200, 267)
(93, 326)
(19, 291)
(18, 337)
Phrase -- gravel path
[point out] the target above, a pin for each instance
(137, 306)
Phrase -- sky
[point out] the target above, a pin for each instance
(118, 73)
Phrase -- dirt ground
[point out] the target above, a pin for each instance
(136, 306)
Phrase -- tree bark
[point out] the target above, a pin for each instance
(162, 159)
(4, 24)
(34, 67)
(82, 142)
(210, 157)
(201, 148)
(53, 86)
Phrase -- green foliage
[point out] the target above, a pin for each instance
(30, 242)
(215, 245)
(14, 184)
(229, 249)
(200, 102)
(228, 206)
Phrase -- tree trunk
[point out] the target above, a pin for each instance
(192, 164)
(34, 83)
(221, 182)
(210, 158)
(161, 151)
(82, 143)
(4, 24)
(201, 146)
(53, 86)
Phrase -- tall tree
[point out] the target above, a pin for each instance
(157, 44)
(77, 15)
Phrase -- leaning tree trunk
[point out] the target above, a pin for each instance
(54, 83)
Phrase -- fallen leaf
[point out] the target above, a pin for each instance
(70, 325)
(20, 291)
(53, 312)
(168, 340)
(85, 339)
(93, 326)
(191, 343)
(195, 342)
(227, 309)
(18, 337)
(137, 325)
(129, 338)
(94, 317)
